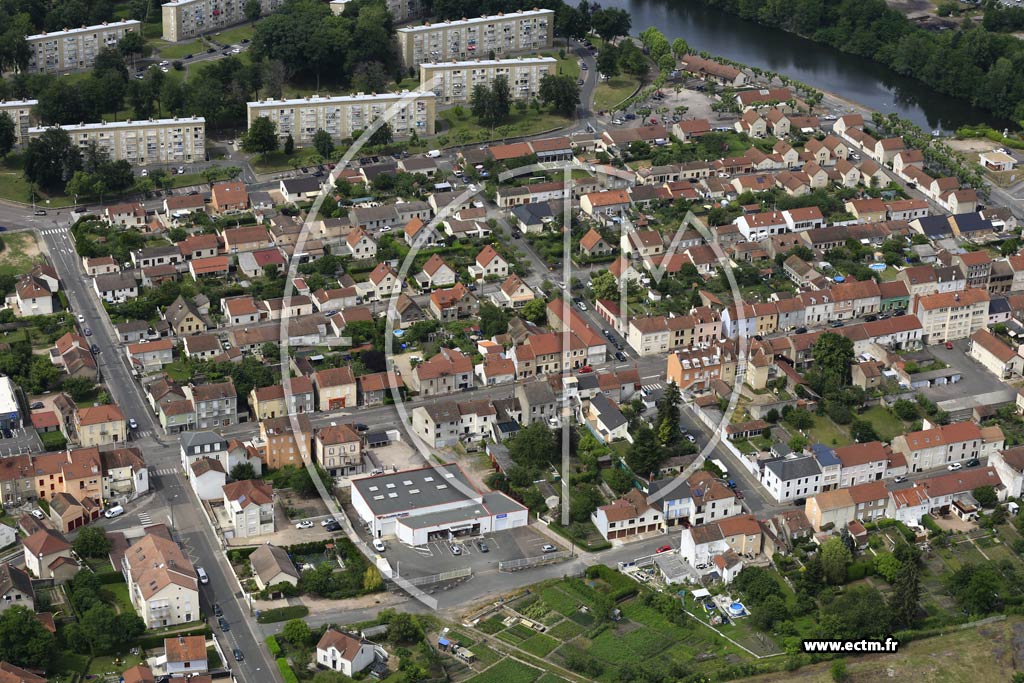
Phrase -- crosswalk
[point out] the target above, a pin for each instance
(651, 388)
(54, 231)
(145, 519)
(143, 433)
(165, 471)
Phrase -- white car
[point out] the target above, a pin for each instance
(38, 514)
(900, 479)
(81, 318)
(327, 521)
(582, 306)
(145, 172)
(115, 511)
(548, 548)
(164, 63)
(132, 424)
(386, 228)
(954, 466)
(236, 50)
(304, 524)
(378, 545)
(617, 122)
(164, 69)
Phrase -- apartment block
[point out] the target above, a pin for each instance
(502, 34)
(20, 112)
(156, 141)
(76, 48)
(401, 10)
(453, 82)
(344, 115)
(186, 19)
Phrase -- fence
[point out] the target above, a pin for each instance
(452, 575)
(529, 562)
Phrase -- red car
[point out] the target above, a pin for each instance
(585, 369)
(949, 345)
(663, 549)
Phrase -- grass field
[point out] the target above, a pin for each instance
(507, 671)
(174, 51)
(119, 593)
(273, 162)
(20, 252)
(986, 653)
(609, 93)
(233, 36)
(484, 654)
(539, 645)
(885, 423)
(465, 130)
(827, 432)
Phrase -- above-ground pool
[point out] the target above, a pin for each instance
(737, 609)
(878, 267)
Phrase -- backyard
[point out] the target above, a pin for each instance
(20, 252)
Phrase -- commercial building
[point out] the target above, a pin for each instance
(20, 112)
(76, 48)
(10, 412)
(345, 115)
(156, 141)
(502, 34)
(185, 19)
(453, 82)
(430, 503)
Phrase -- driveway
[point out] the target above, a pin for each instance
(974, 379)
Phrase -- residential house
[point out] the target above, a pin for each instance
(277, 399)
(513, 293)
(436, 273)
(250, 507)
(128, 215)
(940, 446)
(229, 197)
(100, 425)
(339, 450)
(343, 653)
(448, 371)
(216, 404)
(186, 655)
(15, 589)
(207, 477)
(116, 288)
(630, 515)
(271, 566)
(949, 316)
(150, 356)
(995, 355)
(283, 443)
(47, 554)
(489, 264)
(336, 388)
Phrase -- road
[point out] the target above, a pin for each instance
(185, 515)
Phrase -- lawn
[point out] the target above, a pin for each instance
(14, 187)
(19, 254)
(886, 424)
(462, 130)
(234, 36)
(827, 432)
(491, 626)
(566, 630)
(610, 93)
(174, 51)
(567, 66)
(507, 671)
(177, 371)
(119, 595)
(273, 162)
(101, 665)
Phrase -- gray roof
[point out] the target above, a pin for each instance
(13, 578)
(788, 469)
(132, 326)
(825, 455)
(109, 282)
(533, 213)
(390, 493)
(268, 561)
(669, 489)
(448, 411)
(537, 392)
(610, 414)
(301, 185)
(494, 503)
(191, 440)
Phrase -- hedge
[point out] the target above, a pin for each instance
(273, 646)
(154, 641)
(286, 671)
(276, 614)
(307, 548)
(929, 523)
(240, 555)
(110, 577)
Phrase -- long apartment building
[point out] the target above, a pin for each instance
(155, 141)
(503, 34)
(20, 112)
(401, 10)
(74, 48)
(186, 19)
(343, 115)
(453, 82)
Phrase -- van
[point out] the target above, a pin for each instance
(433, 154)
(201, 573)
(113, 512)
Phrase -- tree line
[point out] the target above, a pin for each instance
(972, 63)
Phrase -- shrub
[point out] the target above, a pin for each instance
(273, 647)
(276, 614)
(929, 523)
(286, 671)
(857, 571)
(239, 555)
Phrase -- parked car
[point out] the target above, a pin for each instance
(836, 323)
(548, 548)
(224, 625)
(326, 521)
(217, 611)
(333, 526)
(238, 655)
(620, 356)
(378, 545)
(38, 514)
(88, 332)
(305, 524)
(800, 330)
(95, 349)
(664, 549)
(900, 479)
(37, 405)
(585, 369)
(115, 511)
(954, 466)
(203, 577)
(456, 549)
(132, 424)
(482, 546)
(973, 462)
(949, 345)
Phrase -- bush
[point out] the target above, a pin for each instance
(239, 555)
(276, 614)
(273, 646)
(857, 571)
(929, 523)
(286, 671)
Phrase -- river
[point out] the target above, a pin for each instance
(854, 78)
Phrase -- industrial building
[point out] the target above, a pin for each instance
(453, 82)
(344, 115)
(432, 503)
(76, 48)
(502, 34)
(154, 141)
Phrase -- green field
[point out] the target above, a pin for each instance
(539, 645)
(610, 93)
(886, 424)
(178, 50)
(507, 671)
(19, 254)
(827, 432)
(273, 162)
(234, 36)
(464, 130)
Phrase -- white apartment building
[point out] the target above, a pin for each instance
(940, 446)
(401, 10)
(949, 316)
(74, 49)
(156, 141)
(185, 19)
(342, 116)
(502, 34)
(453, 82)
(20, 112)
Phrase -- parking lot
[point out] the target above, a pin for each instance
(437, 557)
(21, 440)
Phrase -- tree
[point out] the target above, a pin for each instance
(797, 443)
(23, 639)
(604, 286)
(618, 479)
(668, 415)
(289, 145)
(261, 136)
(534, 447)
(859, 612)
(572, 22)
(906, 593)
(561, 93)
(297, 632)
(862, 431)
(680, 48)
(323, 143)
(7, 137)
(975, 586)
(253, 10)
(887, 566)
(402, 627)
(608, 61)
(798, 418)
(833, 355)
(535, 310)
(131, 44)
(493, 319)
(611, 22)
(492, 104)
(645, 455)
(51, 159)
(770, 612)
(80, 388)
(382, 136)
(372, 580)
(986, 496)
(92, 541)
(838, 671)
(905, 410)
(243, 470)
(835, 557)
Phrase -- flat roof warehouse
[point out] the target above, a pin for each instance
(405, 491)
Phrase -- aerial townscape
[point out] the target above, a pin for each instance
(655, 342)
